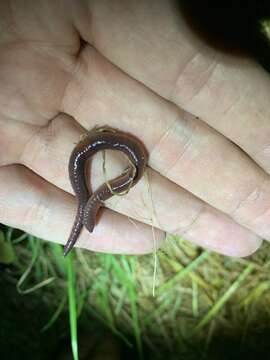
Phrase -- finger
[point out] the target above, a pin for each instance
(169, 207)
(152, 43)
(14, 135)
(37, 207)
(181, 147)
(154, 201)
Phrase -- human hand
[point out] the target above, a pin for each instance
(202, 115)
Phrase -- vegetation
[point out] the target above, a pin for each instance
(195, 297)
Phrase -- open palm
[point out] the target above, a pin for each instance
(204, 117)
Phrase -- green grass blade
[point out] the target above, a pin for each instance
(135, 320)
(56, 252)
(55, 316)
(224, 298)
(35, 245)
(72, 306)
(125, 274)
(195, 301)
(183, 273)
(255, 294)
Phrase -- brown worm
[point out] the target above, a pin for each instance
(89, 203)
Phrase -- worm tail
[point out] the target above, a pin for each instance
(76, 229)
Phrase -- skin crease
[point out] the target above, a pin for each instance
(89, 203)
(203, 116)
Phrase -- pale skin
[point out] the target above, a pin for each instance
(203, 116)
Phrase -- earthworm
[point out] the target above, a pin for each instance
(89, 203)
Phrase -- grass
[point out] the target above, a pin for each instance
(198, 293)
(224, 298)
(72, 306)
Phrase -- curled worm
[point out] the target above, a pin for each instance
(89, 203)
